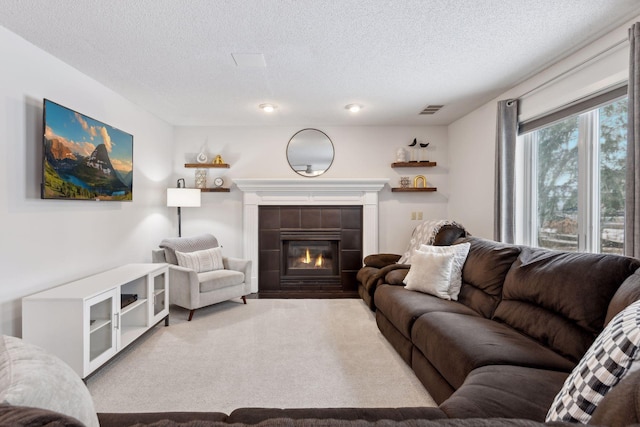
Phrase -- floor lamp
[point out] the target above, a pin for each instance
(182, 197)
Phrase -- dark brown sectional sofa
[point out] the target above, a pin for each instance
(495, 357)
(523, 320)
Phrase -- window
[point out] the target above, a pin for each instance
(573, 180)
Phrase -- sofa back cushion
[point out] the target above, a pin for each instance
(560, 298)
(484, 272)
(627, 294)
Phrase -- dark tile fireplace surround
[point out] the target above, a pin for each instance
(309, 251)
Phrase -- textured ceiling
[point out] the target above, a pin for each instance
(174, 58)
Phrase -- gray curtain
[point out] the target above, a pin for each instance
(632, 197)
(506, 136)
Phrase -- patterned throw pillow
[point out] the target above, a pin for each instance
(608, 360)
(201, 261)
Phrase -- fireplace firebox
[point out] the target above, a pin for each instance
(309, 256)
(312, 251)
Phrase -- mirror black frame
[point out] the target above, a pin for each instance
(310, 171)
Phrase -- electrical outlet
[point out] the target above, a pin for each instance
(413, 216)
(420, 216)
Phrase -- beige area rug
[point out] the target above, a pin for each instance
(288, 353)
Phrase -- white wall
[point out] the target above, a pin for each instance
(45, 243)
(472, 138)
(360, 152)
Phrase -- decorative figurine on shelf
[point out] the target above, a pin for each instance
(423, 149)
(202, 157)
(404, 181)
(401, 155)
(218, 160)
(414, 157)
(419, 178)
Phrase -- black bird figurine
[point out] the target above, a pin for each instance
(415, 141)
(424, 145)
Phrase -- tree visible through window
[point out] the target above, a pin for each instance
(577, 179)
(613, 156)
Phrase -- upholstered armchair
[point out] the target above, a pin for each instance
(200, 280)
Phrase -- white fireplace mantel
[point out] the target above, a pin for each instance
(308, 192)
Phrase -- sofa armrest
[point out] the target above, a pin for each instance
(381, 260)
(396, 276)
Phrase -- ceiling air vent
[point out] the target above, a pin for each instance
(431, 109)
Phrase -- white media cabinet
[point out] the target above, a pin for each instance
(83, 323)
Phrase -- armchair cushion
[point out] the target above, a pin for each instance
(200, 261)
(218, 279)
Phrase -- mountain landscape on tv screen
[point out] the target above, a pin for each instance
(84, 158)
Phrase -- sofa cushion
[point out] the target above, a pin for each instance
(505, 391)
(30, 376)
(430, 273)
(119, 419)
(402, 307)
(218, 279)
(560, 298)
(201, 261)
(483, 273)
(186, 244)
(256, 415)
(23, 416)
(455, 344)
(607, 362)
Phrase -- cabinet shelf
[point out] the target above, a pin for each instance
(414, 190)
(98, 323)
(206, 165)
(425, 164)
(133, 305)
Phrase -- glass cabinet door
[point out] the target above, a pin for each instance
(101, 339)
(160, 296)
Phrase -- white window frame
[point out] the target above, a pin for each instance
(588, 184)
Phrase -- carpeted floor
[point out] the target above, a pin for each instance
(269, 353)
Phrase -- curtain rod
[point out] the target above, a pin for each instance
(574, 68)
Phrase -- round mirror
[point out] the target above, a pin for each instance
(310, 152)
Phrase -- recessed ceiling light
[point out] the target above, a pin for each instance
(268, 108)
(354, 108)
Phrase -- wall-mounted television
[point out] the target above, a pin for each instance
(83, 158)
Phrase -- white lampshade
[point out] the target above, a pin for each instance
(183, 197)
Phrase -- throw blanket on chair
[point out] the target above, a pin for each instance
(424, 234)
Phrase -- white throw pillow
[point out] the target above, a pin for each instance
(430, 273)
(30, 376)
(200, 261)
(460, 253)
(609, 359)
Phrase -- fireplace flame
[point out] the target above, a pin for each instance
(319, 261)
(307, 258)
